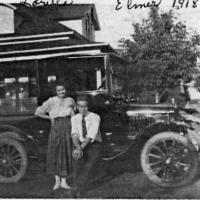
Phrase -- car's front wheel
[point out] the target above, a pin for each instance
(13, 160)
(169, 160)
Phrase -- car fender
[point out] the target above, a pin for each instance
(11, 128)
(10, 134)
(162, 126)
(155, 128)
(14, 132)
(28, 142)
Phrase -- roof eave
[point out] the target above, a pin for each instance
(97, 24)
(9, 6)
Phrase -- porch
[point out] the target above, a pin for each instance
(27, 76)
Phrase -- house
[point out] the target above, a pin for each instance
(39, 45)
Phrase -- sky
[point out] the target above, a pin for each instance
(118, 24)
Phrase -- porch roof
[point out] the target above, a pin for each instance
(41, 46)
(36, 41)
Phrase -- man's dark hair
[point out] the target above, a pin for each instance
(82, 98)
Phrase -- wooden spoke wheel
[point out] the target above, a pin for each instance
(13, 160)
(169, 160)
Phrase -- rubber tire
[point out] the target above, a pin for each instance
(24, 161)
(156, 180)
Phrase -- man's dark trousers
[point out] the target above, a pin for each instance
(84, 166)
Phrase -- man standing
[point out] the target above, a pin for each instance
(86, 141)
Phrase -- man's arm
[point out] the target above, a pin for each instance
(77, 152)
(92, 132)
(86, 142)
(76, 142)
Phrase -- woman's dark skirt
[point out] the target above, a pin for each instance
(59, 152)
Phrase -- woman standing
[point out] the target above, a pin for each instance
(59, 110)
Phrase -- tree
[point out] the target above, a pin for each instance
(161, 52)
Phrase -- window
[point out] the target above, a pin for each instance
(23, 80)
(51, 79)
(9, 80)
(6, 20)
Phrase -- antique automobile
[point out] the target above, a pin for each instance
(157, 133)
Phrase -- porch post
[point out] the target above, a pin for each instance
(108, 73)
(98, 78)
(37, 77)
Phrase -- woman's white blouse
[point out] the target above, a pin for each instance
(57, 107)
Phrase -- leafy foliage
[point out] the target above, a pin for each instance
(161, 52)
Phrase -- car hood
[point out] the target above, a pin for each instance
(149, 110)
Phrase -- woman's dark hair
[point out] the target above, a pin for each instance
(59, 83)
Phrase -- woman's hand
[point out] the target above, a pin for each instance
(52, 121)
(42, 115)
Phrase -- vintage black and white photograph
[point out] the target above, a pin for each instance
(100, 99)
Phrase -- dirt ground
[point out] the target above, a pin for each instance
(121, 178)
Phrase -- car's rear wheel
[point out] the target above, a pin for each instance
(169, 160)
(13, 160)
